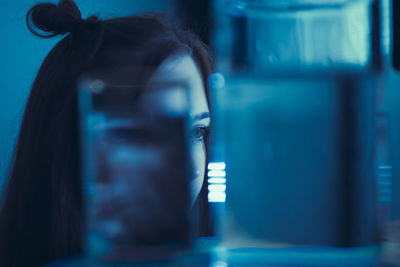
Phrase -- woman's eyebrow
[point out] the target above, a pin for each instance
(201, 116)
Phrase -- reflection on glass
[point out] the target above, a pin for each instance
(216, 180)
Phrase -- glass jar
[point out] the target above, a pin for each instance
(135, 169)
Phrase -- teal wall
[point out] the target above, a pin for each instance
(21, 54)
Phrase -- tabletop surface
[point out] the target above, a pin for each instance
(207, 252)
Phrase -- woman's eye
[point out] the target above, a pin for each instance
(199, 132)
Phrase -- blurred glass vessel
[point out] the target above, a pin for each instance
(299, 159)
(294, 114)
(134, 168)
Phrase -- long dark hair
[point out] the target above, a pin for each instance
(42, 207)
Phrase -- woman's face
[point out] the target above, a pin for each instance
(183, 68)
(148, 204)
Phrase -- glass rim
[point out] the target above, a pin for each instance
(243, 8)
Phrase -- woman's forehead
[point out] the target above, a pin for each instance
(177, 67)
(182, 68)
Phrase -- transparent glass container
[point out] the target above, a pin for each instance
(295, 113)
(299, 163)
(136, 176)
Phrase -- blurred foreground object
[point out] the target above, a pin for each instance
(299, 159)
(135, 169)
(294, 117)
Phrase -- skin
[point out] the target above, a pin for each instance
(182, 67)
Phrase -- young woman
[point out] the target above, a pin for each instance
(42, 207)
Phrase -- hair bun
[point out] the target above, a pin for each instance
(52, 18)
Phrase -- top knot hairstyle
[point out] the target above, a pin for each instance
(42, 214)
(55, 19)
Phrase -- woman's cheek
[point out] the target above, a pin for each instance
(199, 162)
